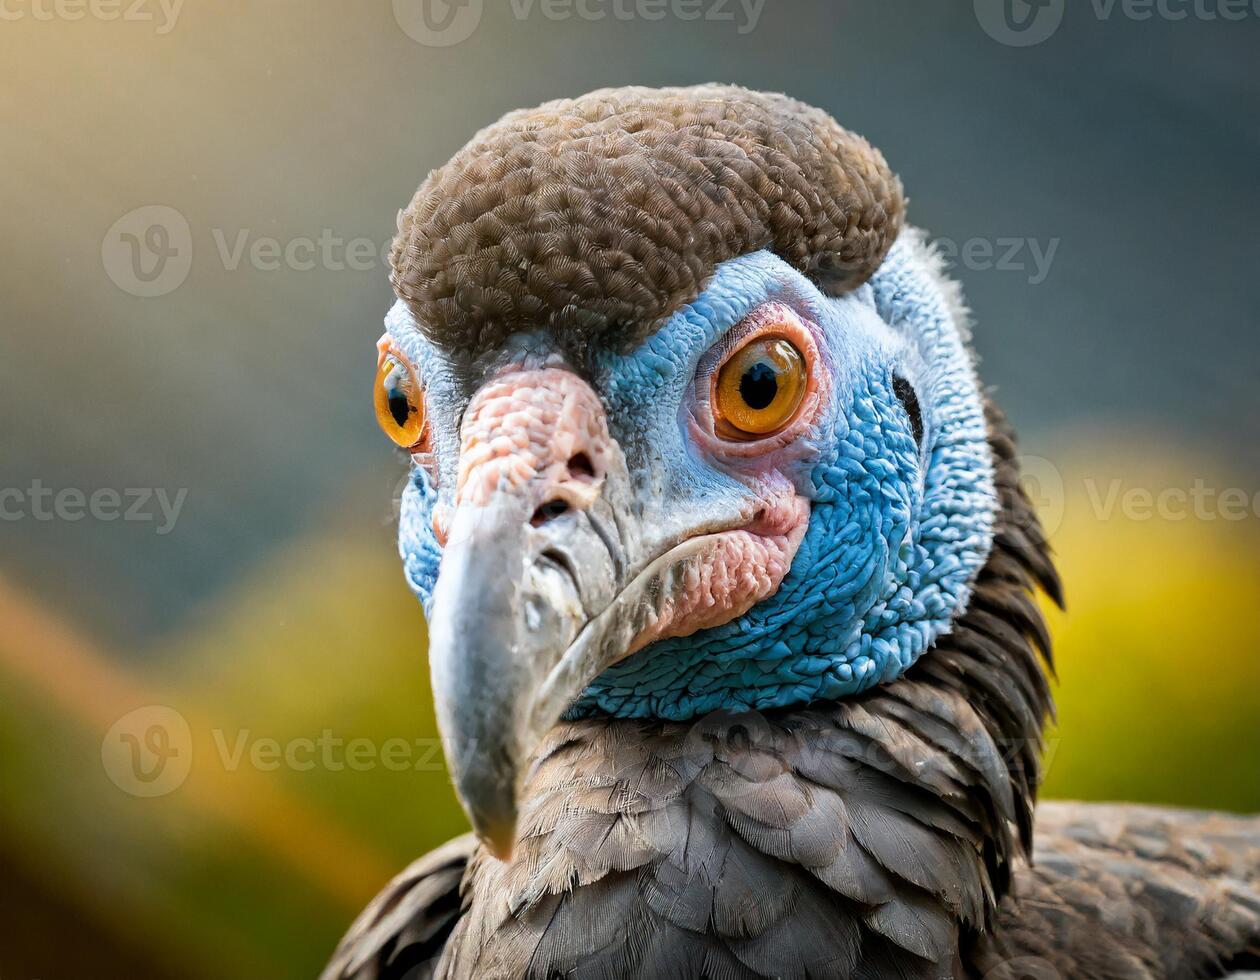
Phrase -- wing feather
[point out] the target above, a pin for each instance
(405, 927)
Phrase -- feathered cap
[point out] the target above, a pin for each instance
(595, 218)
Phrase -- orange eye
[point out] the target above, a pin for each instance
(399, 402)
(759, 388)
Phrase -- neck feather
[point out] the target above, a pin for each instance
(878, 830)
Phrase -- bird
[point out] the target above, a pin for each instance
(731, 587)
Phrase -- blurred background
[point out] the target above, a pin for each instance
(216, 736)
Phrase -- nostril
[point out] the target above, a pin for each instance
(581, 467)
(549, 512)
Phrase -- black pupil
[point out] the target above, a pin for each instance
(759, 385)
(396, 396)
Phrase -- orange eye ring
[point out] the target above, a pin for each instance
(758, 389)
(399, 402)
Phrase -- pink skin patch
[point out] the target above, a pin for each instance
(544, 434)
(733, 572)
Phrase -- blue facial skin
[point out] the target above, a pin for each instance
(897, 530)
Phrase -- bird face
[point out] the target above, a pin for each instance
(778, 496)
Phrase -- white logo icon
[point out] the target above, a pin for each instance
(438, 23)
(148, 251)
(148, 752)
(1019, 23)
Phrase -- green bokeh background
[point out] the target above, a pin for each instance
(274, 610)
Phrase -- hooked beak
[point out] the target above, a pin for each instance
(554, 569)
(506, 609)
(533, 555)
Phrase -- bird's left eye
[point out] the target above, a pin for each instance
(759, 388)
(399, 402)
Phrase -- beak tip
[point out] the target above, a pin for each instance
(489, 799)
(502, 853)
(500, 841)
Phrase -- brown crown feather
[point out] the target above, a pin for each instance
(595, 218)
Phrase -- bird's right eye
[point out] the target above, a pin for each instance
(399, 402)
(759, 388)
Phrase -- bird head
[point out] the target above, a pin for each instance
(692, 422)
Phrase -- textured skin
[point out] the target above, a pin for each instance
(874, 837)
(736, 570)
(531, 423)
(897, 529)
(595, 218)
